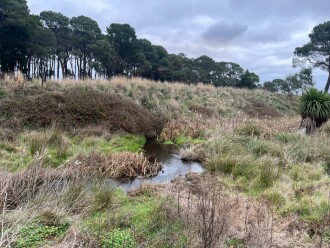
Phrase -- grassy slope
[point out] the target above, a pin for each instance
(260, 157)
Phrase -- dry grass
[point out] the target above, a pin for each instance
(171, 100)
(217, 217)
(193, 128)
(19, 188)
(117, 165)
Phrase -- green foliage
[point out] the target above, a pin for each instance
(35, 234)
(14, 33)
(316, 52)
(118, 238)
(33, 41)
(249, 80)
(315, 104)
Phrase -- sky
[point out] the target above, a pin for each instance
(259, 35)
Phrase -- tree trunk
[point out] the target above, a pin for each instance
(326, 89)
(307, 125)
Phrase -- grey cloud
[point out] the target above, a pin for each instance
(223, 31)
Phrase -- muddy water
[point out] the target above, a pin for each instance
(173, 166)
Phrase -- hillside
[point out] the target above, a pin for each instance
(63, 142)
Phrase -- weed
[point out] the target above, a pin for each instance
(117, 239)
(36, 234)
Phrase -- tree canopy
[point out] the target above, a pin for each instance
(317, 51)
(51, 45)
(296, 83)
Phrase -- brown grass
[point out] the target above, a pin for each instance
(118, 165)
(215, 216)
(76, 108)
(194, 128)
(18, 188)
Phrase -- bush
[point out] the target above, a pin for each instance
(314, 108)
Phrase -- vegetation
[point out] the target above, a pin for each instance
(293, 84)
(314, 109)
(316, 52)
(56, 180)
(49, 45)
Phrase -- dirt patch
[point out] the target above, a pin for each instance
(256, 108)
(74, 108)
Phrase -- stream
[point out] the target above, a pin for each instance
(173, 166)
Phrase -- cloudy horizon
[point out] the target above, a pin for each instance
(258, 35)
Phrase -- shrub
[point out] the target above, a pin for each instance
(314, 108)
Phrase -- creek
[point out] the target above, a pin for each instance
(173, 166)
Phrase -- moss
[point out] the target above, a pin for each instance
(124, 143)
(182, 140)
(169, 142)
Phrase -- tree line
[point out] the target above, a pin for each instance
(53, 46)
(293, 84)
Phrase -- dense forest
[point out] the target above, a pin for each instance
(53, 46)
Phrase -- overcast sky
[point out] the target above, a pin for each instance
(260, 35)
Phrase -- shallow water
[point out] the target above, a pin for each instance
(173, 166)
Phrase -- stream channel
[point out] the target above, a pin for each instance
(173, 166)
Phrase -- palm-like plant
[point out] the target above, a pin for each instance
(314, 108)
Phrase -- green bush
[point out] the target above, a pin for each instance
(315, 103)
